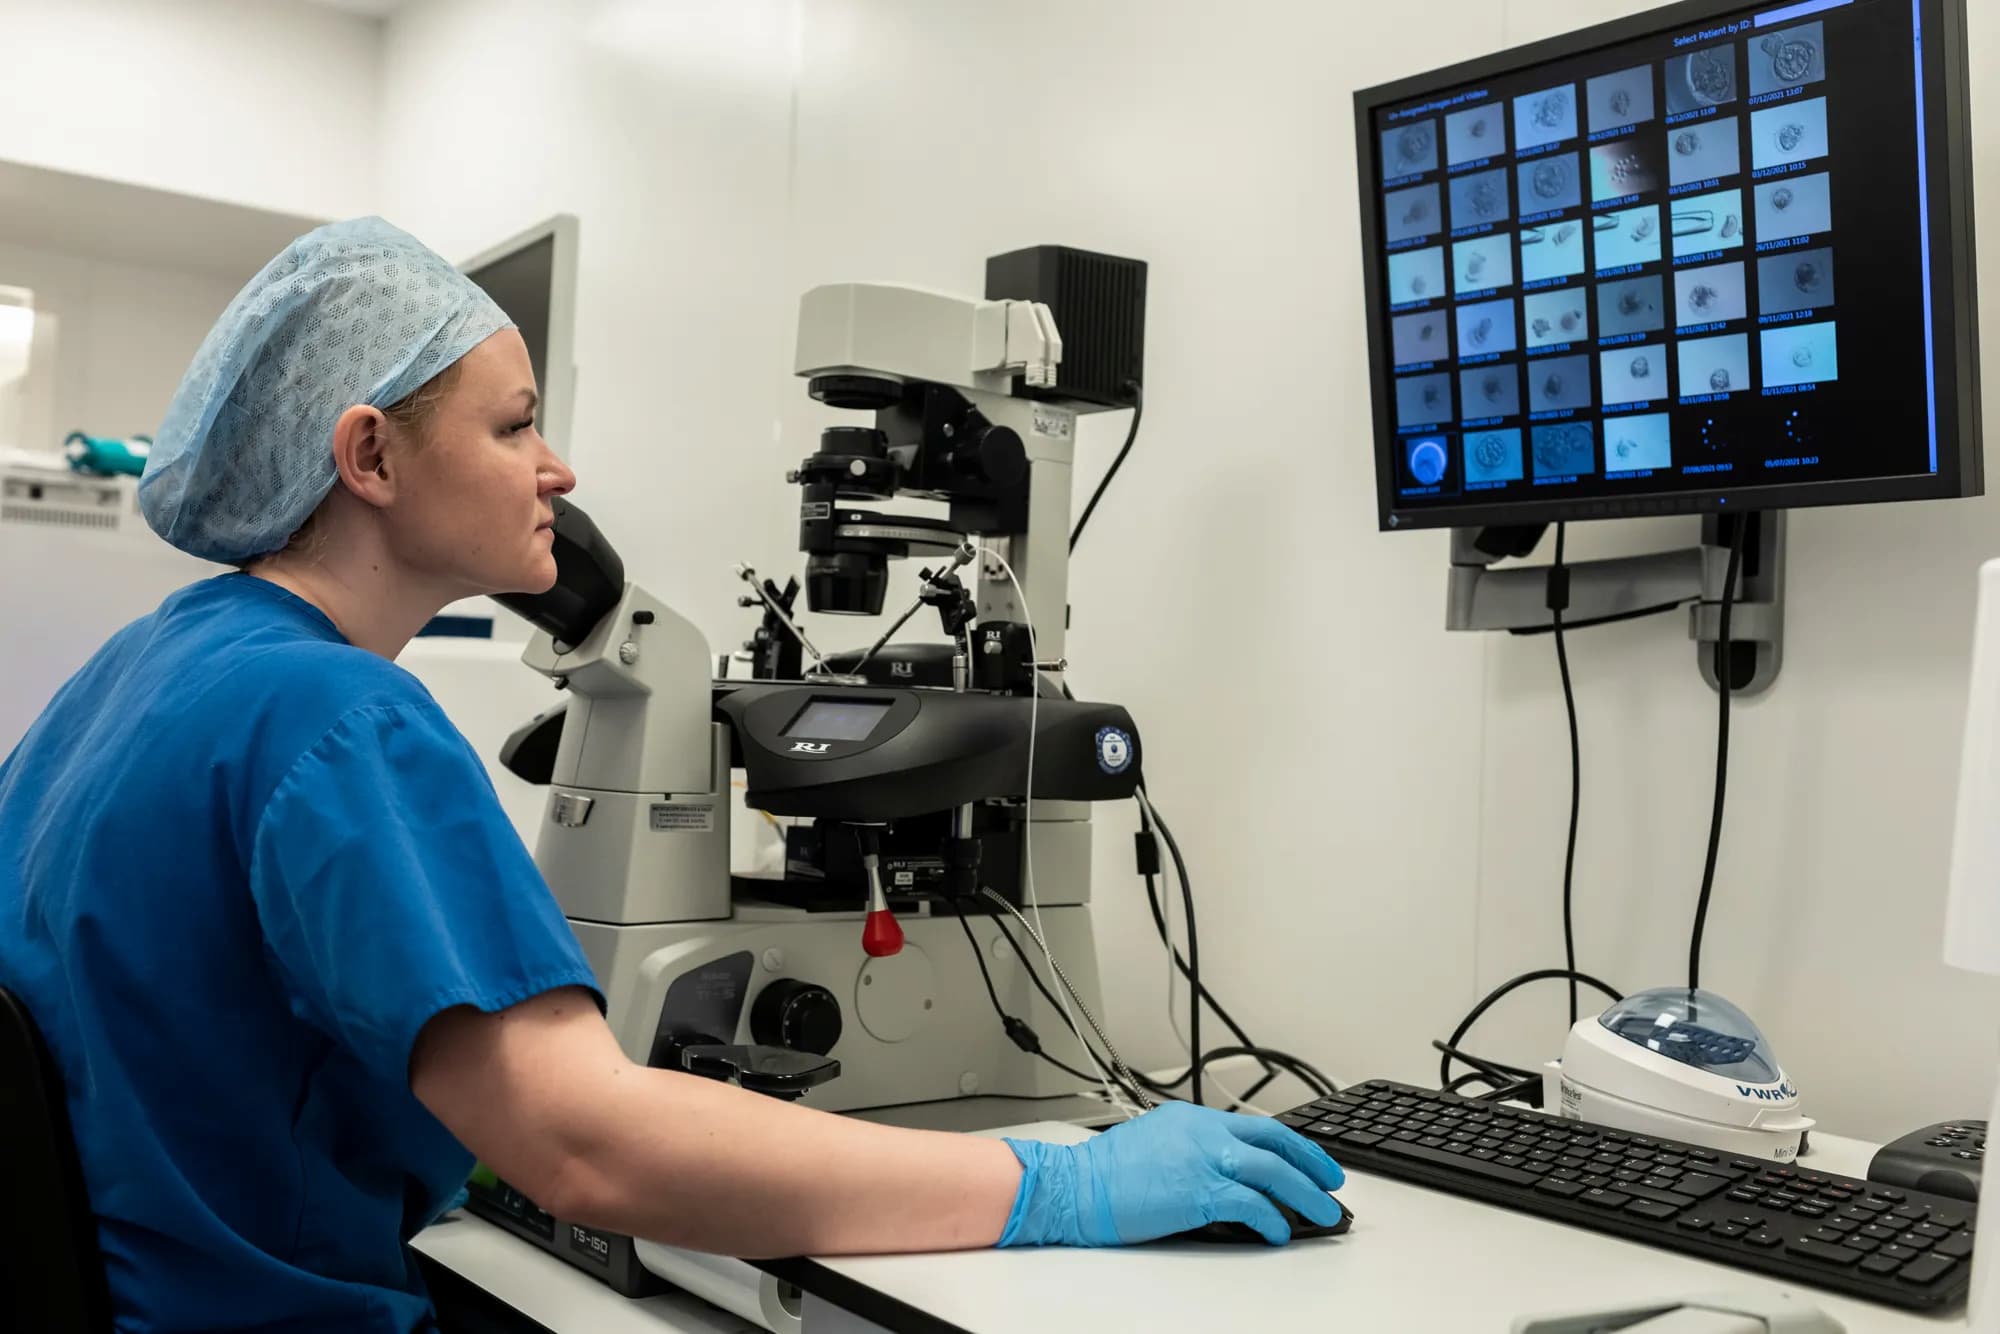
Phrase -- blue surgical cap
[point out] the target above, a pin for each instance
(353, 312)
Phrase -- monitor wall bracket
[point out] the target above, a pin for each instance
(1515, 598)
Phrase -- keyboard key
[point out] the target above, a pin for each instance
(1880, 1264)
(1763, 1240)
(1957, 1247)
(1563, 1190)
(1827, 1235)
(1297, 1119)
(1728, 1230)
(1842, 1225)
(1483, 1154)
(1927, 1270)
(1782, 1199)
(1511, 1160)
(1702, 1156)
(1700, 1185)
(1745, 1196)
(1629, 1176)
(1914, 1242)
(1750, 1221)
(1812, 1248)
(1901, 1254)
(1662, 1170)
(1565, 1174)
(1876, 1232)
(1695, 1223)
(1862, 1244)
(1471, 1166)
(1915, 1213)
(1651, 1209)
(1361, 1139)
(1860, 1213)
(1595, 1179)
(1436, 1142)
(1605, 1199)
(1884, 1193)
(1810, 1210)
(1946, 1219)
(1931, 1230)
(1658, 1183)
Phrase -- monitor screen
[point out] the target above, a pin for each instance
(522, 284)
(1703, 257)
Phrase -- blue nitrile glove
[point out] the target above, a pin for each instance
(1175, 1168)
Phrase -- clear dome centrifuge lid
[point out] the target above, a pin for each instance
(1696, 1028)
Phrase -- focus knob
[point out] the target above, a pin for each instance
(799, 1016)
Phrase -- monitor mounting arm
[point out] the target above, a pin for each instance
(1515, 599)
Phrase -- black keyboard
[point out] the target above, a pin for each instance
(1900, 1247)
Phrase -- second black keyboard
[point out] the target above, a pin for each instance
(1884, 1244)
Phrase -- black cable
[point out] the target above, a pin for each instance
(1307, 1075)
(1529, 1089)
(1160, 925)
(1495, 1072)
(1476, 1077)
(1559, 602)
(1193, 950)
(1539, 975)
(1131, 434)
(1724, 664)
(1017, 1029)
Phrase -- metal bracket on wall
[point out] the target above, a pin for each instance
(1515, 599)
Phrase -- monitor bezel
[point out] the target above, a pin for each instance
(1954, 276)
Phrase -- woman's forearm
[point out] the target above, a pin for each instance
(691, 1162)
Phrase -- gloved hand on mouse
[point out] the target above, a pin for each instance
(1175, 1168)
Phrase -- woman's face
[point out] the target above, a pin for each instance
(477, 512)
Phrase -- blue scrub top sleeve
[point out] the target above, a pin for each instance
(390, 886)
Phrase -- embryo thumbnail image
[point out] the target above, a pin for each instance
(1703, 150)
(1628, 237)
(1493, 456)
(1408, 149)
(1794, 206)
(1423, 400)
(1424, 336)
(1545, 117)
(1548, 184)
(1634, 374)
(1416, 275)
(1787, 58)
(1489, 391)
(1795, 280)
(1638, 443)
(1789, 132)
(1559, 316)
(1634, 165)
(1715, 365)
(1800, 354)
(1559, 382)
(1621, 99)
(1564, 449)
(1411, 213)
(1630, 306)
(1486, 327)
(1552, 250)
(1483, 262)
(1474, 134)
(1702, 223)
(1711, 294)
(1480, 197)
(1704, 78)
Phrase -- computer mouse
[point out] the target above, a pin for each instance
(1302, 1228)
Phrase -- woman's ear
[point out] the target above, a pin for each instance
(361, 454)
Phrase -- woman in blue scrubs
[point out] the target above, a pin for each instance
(294, 964)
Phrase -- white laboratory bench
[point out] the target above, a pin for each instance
(1416, 1260)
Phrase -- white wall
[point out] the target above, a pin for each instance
(1828, 913)
(1372, 808)
(666, 129)
(250, 101)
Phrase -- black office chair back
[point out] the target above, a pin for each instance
(54, 1275)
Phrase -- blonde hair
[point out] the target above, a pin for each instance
(413, 414)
